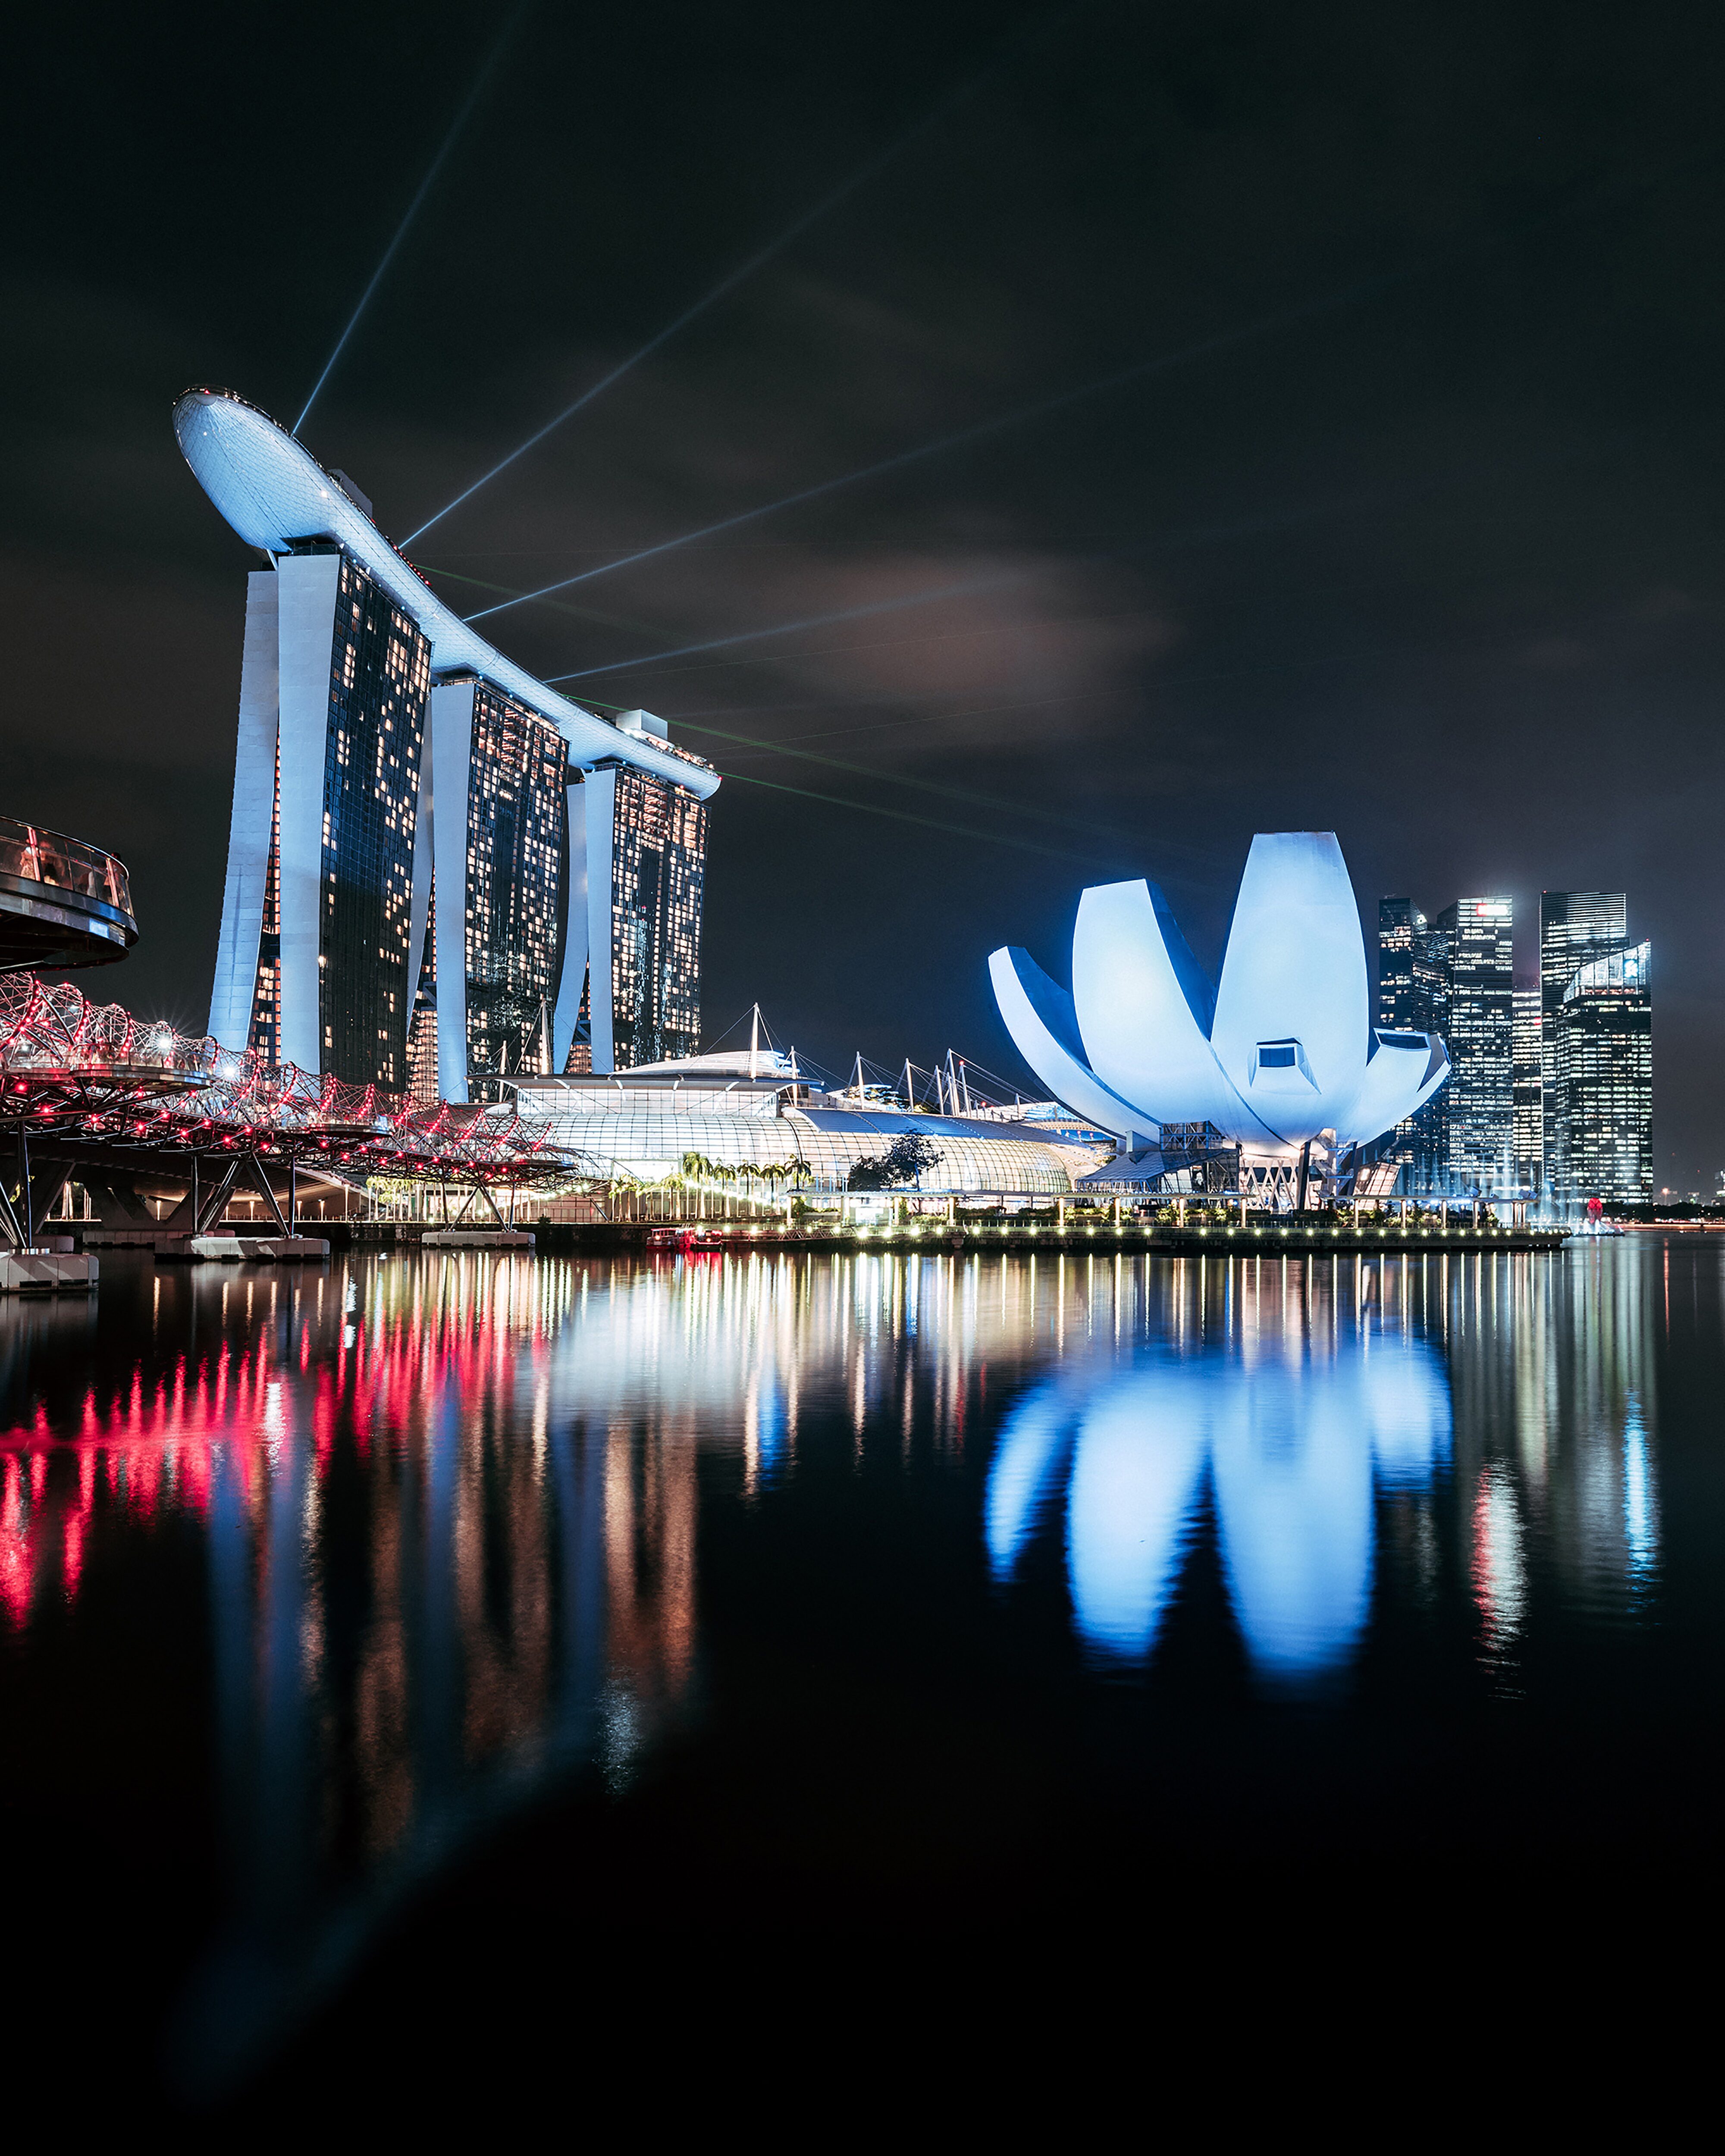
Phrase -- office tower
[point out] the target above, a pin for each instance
(1575, 925)
(1602, 1058)
(312, 967)
(1528, 1088)
(1413, 997)
(1479, 960)
(407, 905)
(1400, 926)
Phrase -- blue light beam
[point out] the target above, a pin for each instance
(810, 621)
(863, 172)
(1021, 415)
(1608, 196)
(431, 173)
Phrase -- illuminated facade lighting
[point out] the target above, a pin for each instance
(1528, 1088)
(1574, 926)
(1453, 978)
(1602, 1058)
(1478, 936)
(407, 904)
(1279, 1053)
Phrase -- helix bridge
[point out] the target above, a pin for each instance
(132, 1109)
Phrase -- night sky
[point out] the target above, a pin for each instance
(1405, 522)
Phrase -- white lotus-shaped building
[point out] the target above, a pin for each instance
(1281, 1051)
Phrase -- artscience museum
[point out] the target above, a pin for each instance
(1277, 1057)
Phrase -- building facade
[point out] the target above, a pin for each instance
(313, 964)
(646, 878)
(1527, 1086)
(1574, 926)
(1480, 955)
(1602, 1060)
(1453, 977)
(1401, 931)
(410, 903)
(1413, 995)
(498, 829)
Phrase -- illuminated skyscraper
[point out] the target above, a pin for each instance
(406, 903)
(1400, 926)
(1529, 1090)
(1453, 977)
(313, 963)
(1575, 925)
(1479, 966)
(1413, 997)
(645, 873)
(499, 776)
(1603, 1061)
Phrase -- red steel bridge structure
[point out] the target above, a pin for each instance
(130, 1108)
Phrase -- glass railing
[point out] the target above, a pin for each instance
(49, 857)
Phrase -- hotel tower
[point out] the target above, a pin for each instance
(441, 873)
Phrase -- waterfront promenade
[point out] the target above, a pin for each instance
(1269, 1237)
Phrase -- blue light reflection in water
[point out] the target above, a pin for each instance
(1291, 1432)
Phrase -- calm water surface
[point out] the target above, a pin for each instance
(949, 1576)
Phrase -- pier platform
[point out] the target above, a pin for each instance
(47, 1272)
(476, 1239)
(235, 1249)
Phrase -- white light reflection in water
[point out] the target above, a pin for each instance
(1641, 1526)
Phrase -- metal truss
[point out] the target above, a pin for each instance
(88, 1085)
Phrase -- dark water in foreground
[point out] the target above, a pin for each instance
(415, 1608)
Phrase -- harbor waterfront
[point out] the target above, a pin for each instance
(596, 1579)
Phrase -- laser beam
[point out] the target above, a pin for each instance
(925, 822)
(1042, 408)
(758, 260)
(809, 621)
(968, 794)
(1601, 197)
(431, 173)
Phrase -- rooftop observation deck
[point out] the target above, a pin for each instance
(63, 901)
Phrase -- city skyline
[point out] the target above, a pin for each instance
(1552, 1091)
(1396, 522)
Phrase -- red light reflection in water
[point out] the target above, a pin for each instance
(146, 1442)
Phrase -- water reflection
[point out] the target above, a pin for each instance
(1285, 1425)
(1280, 1408)
(449, 1515)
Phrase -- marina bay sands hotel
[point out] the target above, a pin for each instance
(440, 872)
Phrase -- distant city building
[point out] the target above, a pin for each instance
(1401, 927)
(1527, 1086)
(1480, 955)
(1413, 996)
(1575, 925)
(1602, 1044)
(1453, 978)
(410, 903)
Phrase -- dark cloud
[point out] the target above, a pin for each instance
(1422, 542)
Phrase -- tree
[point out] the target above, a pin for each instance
(903, 1161)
